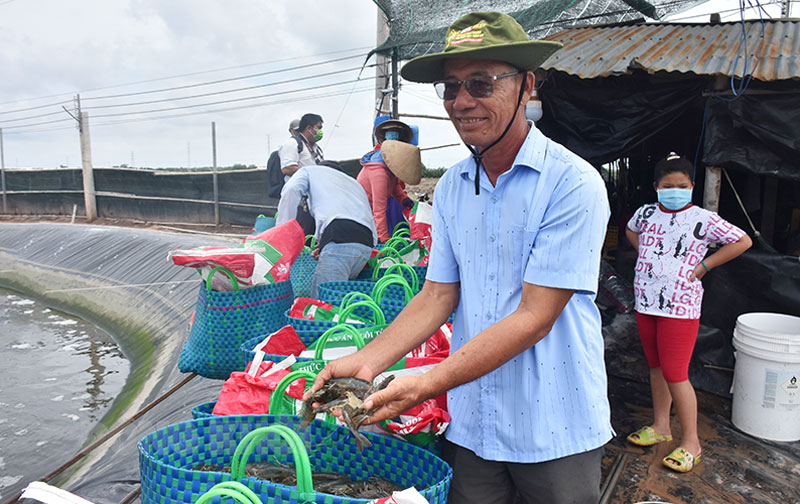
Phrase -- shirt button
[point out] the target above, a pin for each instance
(488, 315)
(491, 276)
(491, 238)
(494, 199)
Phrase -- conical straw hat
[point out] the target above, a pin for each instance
(403, 159)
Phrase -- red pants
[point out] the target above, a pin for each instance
(668, 343)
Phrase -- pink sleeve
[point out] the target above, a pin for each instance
(380, 186)
(399, 191)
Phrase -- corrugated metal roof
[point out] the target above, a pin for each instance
(703, 49)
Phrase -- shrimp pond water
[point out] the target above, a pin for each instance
(58, 377)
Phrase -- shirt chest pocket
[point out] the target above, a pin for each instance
(515, 249)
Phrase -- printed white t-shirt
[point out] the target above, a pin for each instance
(671, 244)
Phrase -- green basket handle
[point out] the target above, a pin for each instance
(352, 296)
(401, 231)
(232, 489)
(405, 267)
(387, 280)
(396, 243)
(347, 329)
(388, 252)
(247, 445)
(391, 278)
(400, 225)
(379, 263)
(278, 403)
(378, 318)
(313, 243)
(227, 272)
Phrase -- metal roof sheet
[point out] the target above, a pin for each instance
(702, 49)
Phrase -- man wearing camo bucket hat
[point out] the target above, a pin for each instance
(517, 231)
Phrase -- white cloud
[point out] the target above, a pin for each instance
(113, 47)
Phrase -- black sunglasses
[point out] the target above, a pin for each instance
(478, 87)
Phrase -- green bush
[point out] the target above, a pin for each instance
(432, 173)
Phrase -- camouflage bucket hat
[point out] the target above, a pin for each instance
(485, 36)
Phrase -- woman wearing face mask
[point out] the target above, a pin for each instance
(672, 238)
(386, 169)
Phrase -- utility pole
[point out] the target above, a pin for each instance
(786, 8)
(395, 82)
(89, 196)
(214, 168)
(382, 67)
(3, 172)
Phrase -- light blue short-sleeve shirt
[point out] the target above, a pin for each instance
(544, 223)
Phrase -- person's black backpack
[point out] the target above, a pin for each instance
(274, 173)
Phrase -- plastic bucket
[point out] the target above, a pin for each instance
(766, 380)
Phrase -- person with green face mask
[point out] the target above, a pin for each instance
(309, 132)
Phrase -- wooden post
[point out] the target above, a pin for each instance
(89, 197)
(214, 156)
(3, 172)
(712, 188)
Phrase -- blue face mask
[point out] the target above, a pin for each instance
(675, 198)
(392, 135)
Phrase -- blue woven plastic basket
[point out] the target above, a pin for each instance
(223, 320)
(371, 316)
(203, 410)
(368, 274)
(167, 456)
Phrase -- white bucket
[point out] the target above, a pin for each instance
(766, 380)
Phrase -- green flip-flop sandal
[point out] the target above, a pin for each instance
(647, 436)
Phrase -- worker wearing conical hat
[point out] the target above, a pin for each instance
(386, 169)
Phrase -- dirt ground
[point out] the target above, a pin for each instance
(425, 186)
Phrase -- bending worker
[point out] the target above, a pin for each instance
(345, 231)
(517, 231)
(386, 169)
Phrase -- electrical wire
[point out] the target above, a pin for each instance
(219, 102)
(227, 91)
(219, 81)
(720, 12)
(336, 123)
(281, 102)
(35, 108)
(232, 100)
(227, 109)
(177, 76)
(187, 97)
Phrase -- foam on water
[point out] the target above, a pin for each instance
(60, 376)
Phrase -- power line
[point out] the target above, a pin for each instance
(277, 83)
(220, 102)
(195, 96)
(35, 108)
(233, 100)
(200, 112)
(179, 75)
(180, 87)
(228, 109)
(260, 74)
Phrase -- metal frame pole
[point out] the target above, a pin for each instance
(395, 82)
(3, 173)
(216, 187)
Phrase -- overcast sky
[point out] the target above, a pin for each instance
(128, 58)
